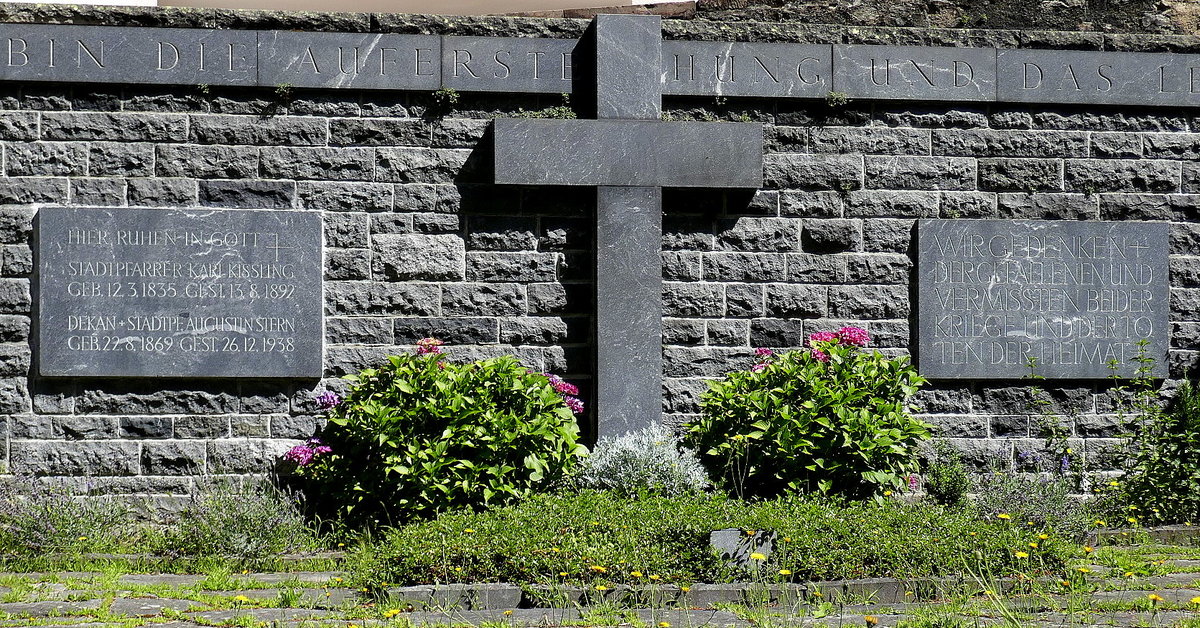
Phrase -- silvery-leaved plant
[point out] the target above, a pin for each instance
(650, 460)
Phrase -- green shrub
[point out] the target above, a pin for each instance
(421, 435)
(946, 479)
(41, 515)
(603, 537)
(647, 461)
(833, 419)
(1161, 462)
(247, 520)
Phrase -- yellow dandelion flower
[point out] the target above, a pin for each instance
(468, 530)
(601, 587)
(1196, 600)
(1114, 483)
(989, 593)
(391, 612)
(1033, 545)
(1088, 549)
(655, 576)
(1099, 522)
(1022, 555)
(636, 574)
(758, 556)
(1043, 536)
(972, 533)
(751, 532)
(664, 624)
(785, 572)
(1004, 516)
(871, 620)
(508, 612)
(562, 574)
(598, 569)
(788, 539)
(1030, 523)
(1128, 574)
(241, 599)
(685, 589)
(1084, 570)
(83, 538)
(1131, 519)
(1154, 597)
(1133, 507)
(1064, 583)
(887, 493)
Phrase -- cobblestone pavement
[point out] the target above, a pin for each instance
(1170, 597)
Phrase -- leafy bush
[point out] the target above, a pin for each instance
(832, 419)
(605, 537)
(946, 479)
(1161, 463)
(421, 434)
(244, 520)
(1044, 499)
(39, 516)
(650, 460)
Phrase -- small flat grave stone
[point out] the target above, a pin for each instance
(179, 293)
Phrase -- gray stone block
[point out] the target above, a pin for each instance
(810, 268)
(1009, 143)
(97, 458)
(758, 234)
(871, 141)
(425, 257)
(1143, 175)
(839, 173)
(831, 235)
(250, 194)
(434, 165)
(692, 299)
(46, 159)
(267, 131)
(683, 331)
(510, 267)
(206, 162)
(1020, 175)
(1047, 206)
(114, 127)
(743, 266)
(472, 299)
(345, 196)
(868, 302)
(19, 125)
(33, 190)
(120, 159)
(97, 192)
(744, 300)
(318, 163)
(796, 301)
(920, 173)
(362, 298)
(162, 192)
(173, 458)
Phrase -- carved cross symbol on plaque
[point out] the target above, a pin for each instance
(629, 155)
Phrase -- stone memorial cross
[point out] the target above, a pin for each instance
(629, 155)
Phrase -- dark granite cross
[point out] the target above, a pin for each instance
(629, 155)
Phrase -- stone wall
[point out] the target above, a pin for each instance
(418, 244)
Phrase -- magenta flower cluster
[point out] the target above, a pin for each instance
(763, 355)
(855, 336)
(426, 346)
(567, 391)
(304, 454)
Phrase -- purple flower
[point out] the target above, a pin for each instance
(304, 454)
(822, 336)
(574, 404)
(763, 352)
(758, 368)
(856, 336)
(820, 356)
(913, 482)
(426, 346)
(328, 400)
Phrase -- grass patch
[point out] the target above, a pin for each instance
(598, 538)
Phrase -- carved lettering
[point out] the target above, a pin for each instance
(164, 46)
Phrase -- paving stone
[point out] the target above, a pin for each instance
(156, 579)
(262, 614)
(316, 598)
(309, 577)
(51, 607)
(1175, 596)
(148, 607)
(519, 616)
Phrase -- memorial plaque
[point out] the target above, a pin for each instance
(178, 293)
(915, 72)
(1098, 78)
(507, 64)
(705, 68)
(106, 54)
(1004, 299)
(349, 60)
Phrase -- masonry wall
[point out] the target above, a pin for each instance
(419, 244)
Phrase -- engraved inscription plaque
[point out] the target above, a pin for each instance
(1004, 299)
(178, 293)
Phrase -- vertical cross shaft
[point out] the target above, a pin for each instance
(628, 224)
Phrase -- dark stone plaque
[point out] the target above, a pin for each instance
(915, 72)
(106, 54)
(628, 152)
(1099, 78)
(507, 64)
(1005, 299)
(706, 68)
(349, 60)
(179, 293)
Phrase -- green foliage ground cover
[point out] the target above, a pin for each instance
(598, 537)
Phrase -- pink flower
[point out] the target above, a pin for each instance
(913, 482)
(820, 356)
(560, 386)
(856, 336)
(758, 368)
(822, 336)
(304, 454)
(763, 352)
(427, 346)
(328, 400)
(574, 404)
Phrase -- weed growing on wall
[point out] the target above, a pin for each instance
(422, 434)
(832, 419)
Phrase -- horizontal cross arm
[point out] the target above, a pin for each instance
(647, 153)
